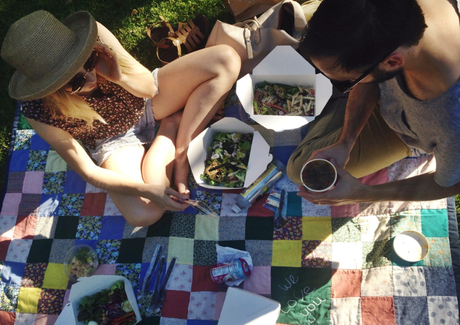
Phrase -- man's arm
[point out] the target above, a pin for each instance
(349, 190)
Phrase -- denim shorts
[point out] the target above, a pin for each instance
(140, 134)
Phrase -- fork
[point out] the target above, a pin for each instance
(201, 206)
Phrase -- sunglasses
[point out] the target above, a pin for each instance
(78, 82)
(347, 86)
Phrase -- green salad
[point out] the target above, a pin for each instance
(227, 160)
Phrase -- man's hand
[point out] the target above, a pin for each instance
(337, 153)
(348, 190)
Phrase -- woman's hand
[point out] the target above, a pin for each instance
(348, 190)
(163, 197)
(107, 65)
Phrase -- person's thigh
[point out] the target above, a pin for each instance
(377, 146)
(178, 79)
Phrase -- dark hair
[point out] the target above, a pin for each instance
(359, 32)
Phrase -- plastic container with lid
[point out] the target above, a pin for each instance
(80, 261)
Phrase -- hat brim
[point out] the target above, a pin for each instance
(85, 29)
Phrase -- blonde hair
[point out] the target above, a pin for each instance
(72, 106)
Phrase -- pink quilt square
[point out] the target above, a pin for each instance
(7, 224)
(93, 204)
(259, 280)
(346, 283)
(342, 211)
(378, 310)
(7, 317)
(202, 306)
(11, 204)
(176, 304)
(25, 227)
(106, 269)
(202, 280)
(33, 182)
(378, 177)
(44, 319)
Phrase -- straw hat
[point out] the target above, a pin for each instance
(46, 52)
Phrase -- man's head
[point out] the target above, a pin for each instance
(354, 36)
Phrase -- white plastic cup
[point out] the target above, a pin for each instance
(318, 175)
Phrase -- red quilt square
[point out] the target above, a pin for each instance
(346, 283)
(4, 244)
(378, 177)
(25, 227)
(342, 211)
(258, 209)
(378, 310)
(202, 280)
(93, 204)
(176, 304)
(7, 317)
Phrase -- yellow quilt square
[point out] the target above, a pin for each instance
(28, 300)
(207, 227)
(182, 249)
(55, 278)
(316, 228)
(287, 253)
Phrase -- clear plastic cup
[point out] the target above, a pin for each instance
(80, 261)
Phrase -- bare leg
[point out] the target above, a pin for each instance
(155, 167)
(198, 82)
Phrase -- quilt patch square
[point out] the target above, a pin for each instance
(93, 204)
(412, 310)
(112, 227)
(377, 254)
(15, 182)
(34, 273)
(287, 253)
(20, 158)
(261, 251)
(29, 204)
(183, 248)
(88, 228)
(131, 250)
(75, 184)
(377, 282)
(70, 205)
(409, 281)
(7, 225)
(347, 255)
(317, 228)
(232, 228)
(346, 311)
(381, 306)
(202, 280)
(49, 205)
(53, 182)
(40, 251)
(207, 227)
(259, 228)
(346, 230)
(202, 306)
(55, 277)
(439, 252)
(437, 283)
(292, 230)
(434, 223)
(54, 162)
(50, 301)
(176, 304)
(183, 225)
(37, 160)
(28, 300)
(346, 283)
(440, 310)
(25, 227)
(204, 252)
(108, 250)
(12, 273)
(259, 280)
(181, 278)
(33, 182)
(66, 227)
(11, 203)
(316, 253)
(18, 250)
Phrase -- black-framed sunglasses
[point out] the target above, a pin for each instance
(347, 86)
(78, 82)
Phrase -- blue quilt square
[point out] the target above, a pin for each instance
(439, 281)
(434, 223)
(53, 182)
(12, 273)
(282, 153)
(411, 310)
(112, 227)
(37, 143)
(71, 204)
(49, 205)
(19, 160)
(37, 160)
(74, 183)
(294, 205)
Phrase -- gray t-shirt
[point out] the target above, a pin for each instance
(432, 125)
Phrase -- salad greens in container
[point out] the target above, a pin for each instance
(280, 99)
(80, 261)
(227, 159)
(107, 307)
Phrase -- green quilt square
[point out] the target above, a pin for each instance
(438, 253)
(183, 248)
(55, 163)
(377, 254)
(294, 206)
(434, 223)
(346, 230)
(207, 227)
(304, 294)
(408, 220)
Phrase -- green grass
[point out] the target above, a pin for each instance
(127, 19)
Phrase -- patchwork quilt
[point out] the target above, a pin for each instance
(328, 265)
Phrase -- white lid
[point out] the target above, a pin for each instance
(411, 245)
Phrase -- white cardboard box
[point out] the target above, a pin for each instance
(243, 307)
(259, 156)
(283, 65)
(89, 286)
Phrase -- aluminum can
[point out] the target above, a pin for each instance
(236, 269)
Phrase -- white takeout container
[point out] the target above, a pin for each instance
(259, 156)
(242, 307)
(89, 286)
(410, 245)
(286, 66)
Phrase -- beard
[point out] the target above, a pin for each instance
(380, 76)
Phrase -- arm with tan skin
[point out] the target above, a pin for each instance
(133, 77)
(77, 158)
(360, 105)
(349, 190)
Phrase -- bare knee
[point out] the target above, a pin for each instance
(228, 62)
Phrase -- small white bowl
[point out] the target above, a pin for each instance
(411, 246)
(324, 182)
